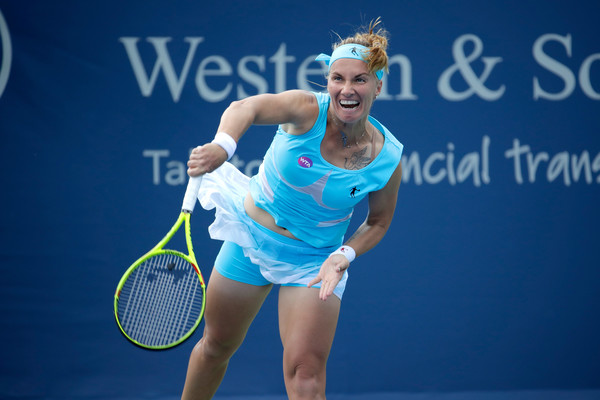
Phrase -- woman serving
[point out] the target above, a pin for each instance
(286, 225)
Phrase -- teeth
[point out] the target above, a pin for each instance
(349, 103)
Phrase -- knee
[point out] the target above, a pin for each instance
(306, 378)
(214, 349)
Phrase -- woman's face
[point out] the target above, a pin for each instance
(352, 89)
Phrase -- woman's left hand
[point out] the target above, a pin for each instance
(330, 275)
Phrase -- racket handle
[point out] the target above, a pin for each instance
(191, 193)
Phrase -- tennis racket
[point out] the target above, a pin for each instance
(159, 301)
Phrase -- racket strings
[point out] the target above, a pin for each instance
(161, 300)
(162, 313)
(160, 317)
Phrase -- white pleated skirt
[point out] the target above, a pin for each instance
(282, 260)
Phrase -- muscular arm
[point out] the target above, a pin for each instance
(295, 109)
(382, 205)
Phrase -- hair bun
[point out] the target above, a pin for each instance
(376, 39)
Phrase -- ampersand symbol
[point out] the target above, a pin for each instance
(463, 64)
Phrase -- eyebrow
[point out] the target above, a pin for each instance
(356, 76)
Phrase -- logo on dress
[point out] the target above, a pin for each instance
(353, 191)
(305, 162)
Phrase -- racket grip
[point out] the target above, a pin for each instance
(191, 193)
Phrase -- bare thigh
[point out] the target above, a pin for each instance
(231, 307)
(307, 326)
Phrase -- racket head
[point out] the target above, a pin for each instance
(160, 300)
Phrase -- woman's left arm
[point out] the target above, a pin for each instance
(382, 205)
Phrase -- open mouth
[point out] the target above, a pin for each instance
(349, 104)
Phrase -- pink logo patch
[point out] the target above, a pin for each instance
(305, 162)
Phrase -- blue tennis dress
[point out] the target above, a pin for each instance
(305, 194)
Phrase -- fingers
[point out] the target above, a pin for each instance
(316, 280)
(327, 290)
(194, 165)
(340, 262)
(205, 159)
(343, 267)
(329, 276)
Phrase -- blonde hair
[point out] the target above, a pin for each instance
(375, 40)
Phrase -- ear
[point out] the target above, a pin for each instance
(378, 90)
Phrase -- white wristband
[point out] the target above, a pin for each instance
(346, 251)
(226, 142)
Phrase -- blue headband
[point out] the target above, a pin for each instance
(355, 51)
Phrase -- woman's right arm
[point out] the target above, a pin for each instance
(296, 110)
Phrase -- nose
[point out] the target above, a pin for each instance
(347, 88)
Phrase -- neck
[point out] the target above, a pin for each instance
(350, 134)
(352, 130)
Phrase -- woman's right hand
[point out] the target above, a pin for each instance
(206, 158)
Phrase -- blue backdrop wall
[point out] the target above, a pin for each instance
(488, 281)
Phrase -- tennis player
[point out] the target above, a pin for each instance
(286, 225)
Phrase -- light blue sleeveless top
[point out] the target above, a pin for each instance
(307, 195)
